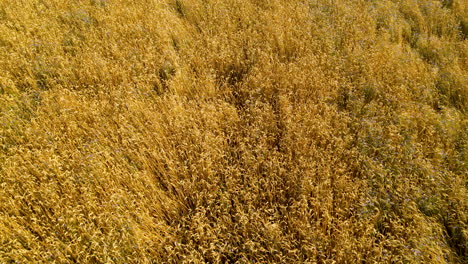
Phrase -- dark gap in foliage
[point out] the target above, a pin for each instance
(447, 3)
(175, 43)
(180, 8)
(165, 73)
(234, 74)
(343, 99)
(231, 78)
(464, 29)
(279, 120)
(456, 238)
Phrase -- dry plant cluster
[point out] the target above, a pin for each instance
(233, 131)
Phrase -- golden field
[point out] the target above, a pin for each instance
(233, 131)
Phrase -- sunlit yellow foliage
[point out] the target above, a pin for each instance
(233, 131)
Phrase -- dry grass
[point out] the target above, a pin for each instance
(233, 131)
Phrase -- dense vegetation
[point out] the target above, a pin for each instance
(240, 131)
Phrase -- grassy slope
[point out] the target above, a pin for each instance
(233, 130)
